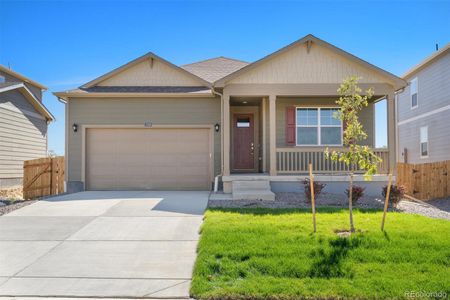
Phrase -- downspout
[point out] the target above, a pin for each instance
(216, 178)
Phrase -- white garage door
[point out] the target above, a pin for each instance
(156, 158)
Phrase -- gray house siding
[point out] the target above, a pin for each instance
(118, 111)
(35, 90)
(438, 139)
(433, 94)
(23, 136)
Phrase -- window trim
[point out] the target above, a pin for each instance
(417, 92)
(427, 142)
(319, 126)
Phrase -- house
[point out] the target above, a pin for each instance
(254, 127)
(23, 125)
(424, 111)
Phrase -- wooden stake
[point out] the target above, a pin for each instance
(313, 205)
(350, 203)
(386, 202)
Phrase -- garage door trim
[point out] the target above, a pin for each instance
(141, 126)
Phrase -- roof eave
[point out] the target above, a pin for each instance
(139, 60)
(67, 95)
(396, 81)
(23, 78)
(428, 60)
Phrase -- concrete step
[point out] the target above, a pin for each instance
(244, 185)
(254, 195)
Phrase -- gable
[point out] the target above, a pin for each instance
(298, 65)
(151, 72)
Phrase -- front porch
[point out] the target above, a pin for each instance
(276, 156)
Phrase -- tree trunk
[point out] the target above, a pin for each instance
(350, 204)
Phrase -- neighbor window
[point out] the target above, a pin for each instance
(318, 126)
(413, 91)
(2, 79)
(424, 141)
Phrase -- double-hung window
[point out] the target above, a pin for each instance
(413, 92)
(424, 141)
(317, 127)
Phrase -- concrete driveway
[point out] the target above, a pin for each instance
(102, 244)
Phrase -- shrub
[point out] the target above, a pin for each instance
(318, 187)
(357, 193)
(396, 194)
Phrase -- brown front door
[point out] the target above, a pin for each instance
(243, 142)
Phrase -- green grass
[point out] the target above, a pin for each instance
(272, 254)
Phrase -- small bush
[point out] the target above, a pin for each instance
(318, 187)
(396, 194)
(357, 193)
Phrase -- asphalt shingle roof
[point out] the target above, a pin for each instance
(215, 68)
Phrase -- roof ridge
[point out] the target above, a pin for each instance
(213, 58)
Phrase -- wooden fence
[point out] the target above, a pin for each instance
(425, 181)
(43, 177)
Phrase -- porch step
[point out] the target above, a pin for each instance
(252, 190)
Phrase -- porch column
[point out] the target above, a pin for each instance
(391, 119)
(272, 135)
(226, 135)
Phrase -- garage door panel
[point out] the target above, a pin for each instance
(154, 158)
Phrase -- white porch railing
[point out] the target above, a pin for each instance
(297, 160)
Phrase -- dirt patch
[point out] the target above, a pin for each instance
(11, 194)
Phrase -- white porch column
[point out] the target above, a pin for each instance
(392, 125)
(226, 135)
(272, 135)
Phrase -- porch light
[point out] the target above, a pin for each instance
(217, 127)
(75, 127)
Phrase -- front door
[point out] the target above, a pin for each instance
(243, 142)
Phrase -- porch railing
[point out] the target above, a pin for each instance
(297, 160)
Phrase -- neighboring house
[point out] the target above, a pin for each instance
(424, 111)
(23, 125)
(150, 124)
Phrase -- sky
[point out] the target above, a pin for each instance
(63, 44)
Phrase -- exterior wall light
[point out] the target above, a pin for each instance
(217, 127)
(75, 127)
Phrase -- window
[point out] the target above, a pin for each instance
(424, 141)
(243, 122)
(2, 79)
(318, 126)
(413, 91)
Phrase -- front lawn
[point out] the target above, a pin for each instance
(264, 253)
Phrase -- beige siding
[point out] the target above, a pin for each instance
(160, 111)
(23, 134)
(320, 65)
(146, 74)
(366, 116)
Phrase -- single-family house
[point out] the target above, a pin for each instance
(251, 127)
(424, 111)
(23, 125)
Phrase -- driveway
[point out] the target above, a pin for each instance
(102, 244)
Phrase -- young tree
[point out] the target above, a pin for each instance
(351, 102)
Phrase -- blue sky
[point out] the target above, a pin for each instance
(64, 44)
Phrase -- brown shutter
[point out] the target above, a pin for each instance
(290, 125)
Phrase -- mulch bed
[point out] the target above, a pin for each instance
(12, 199)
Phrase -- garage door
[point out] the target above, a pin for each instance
(156, 158)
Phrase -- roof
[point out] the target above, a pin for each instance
(138, 60)
(398, 82)
(38, 105)
(216, 68)
(427, 61)
(21, 77)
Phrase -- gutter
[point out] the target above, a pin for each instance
(216, 179)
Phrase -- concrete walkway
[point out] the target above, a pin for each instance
(102, 244)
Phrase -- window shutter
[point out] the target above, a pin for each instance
(290, 125)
